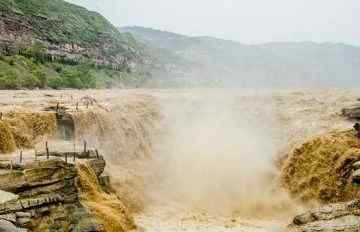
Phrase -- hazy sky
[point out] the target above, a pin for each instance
(247, 21)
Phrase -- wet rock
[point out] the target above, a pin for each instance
(303, 219)
(98, 165)
(105, 183)
(356, 176)
(356, 165)
(22, 214)
(23, 221)
(6, 196)
(9, 217)
(66, 125)
(338, 217)
(42, 196)
(348, 223)
(86, 223)
(11, 181)
(6, 226)
(351, 112)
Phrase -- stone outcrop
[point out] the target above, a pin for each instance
(337, 217)
(352, 112)
(20, 27)
(45, 195)
(331, 218)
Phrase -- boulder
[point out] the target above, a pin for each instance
(356, 176)
(351, 112)
(331, 218)
(7, 196)
(104, 181)
(98, 165)
(356, 165)
(42, 196)
(6, 226)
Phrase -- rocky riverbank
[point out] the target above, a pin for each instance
(45, 195)
(146, 153)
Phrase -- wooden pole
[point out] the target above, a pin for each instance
(11, 165)
(21, 156)
(97, 154)
(85, 144)
(47, 150)
(77, 106)
(57, 107)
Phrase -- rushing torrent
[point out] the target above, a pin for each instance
(197, 160)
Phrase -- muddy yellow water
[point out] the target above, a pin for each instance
(201, 159)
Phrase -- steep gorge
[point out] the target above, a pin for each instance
(201, 160)
(66, 188)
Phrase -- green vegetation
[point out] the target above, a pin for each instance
(50, 24)
(60, 22)
(63, 22)
(18, 72)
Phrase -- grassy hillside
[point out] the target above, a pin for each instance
(62, 22)
(17, 72)
(75, 48)
(284, 64)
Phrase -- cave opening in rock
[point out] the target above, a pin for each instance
(66, 126)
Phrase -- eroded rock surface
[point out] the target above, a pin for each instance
(337, 157)
(352, 112)
(336, 217)
(44, 196)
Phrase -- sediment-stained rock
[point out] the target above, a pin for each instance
(327, 169)
(7, 226)
(331, 218)
(351, 112)
(46, 198)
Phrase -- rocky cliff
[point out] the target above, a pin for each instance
(47, 194)
(326, 171)
(340, 217)
(67, 31)
(63, 187)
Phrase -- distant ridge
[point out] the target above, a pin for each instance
(274, 64)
